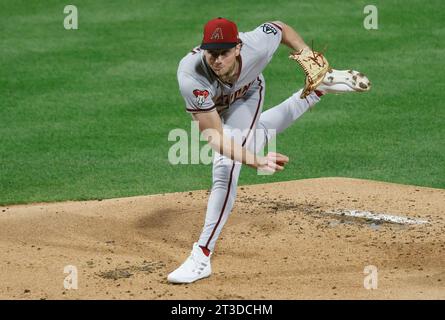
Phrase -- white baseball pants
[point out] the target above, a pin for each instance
(244, 114)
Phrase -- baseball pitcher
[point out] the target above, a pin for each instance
(223, 87)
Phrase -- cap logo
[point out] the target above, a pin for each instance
(217, 34)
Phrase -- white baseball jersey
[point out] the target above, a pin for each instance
(203, 91)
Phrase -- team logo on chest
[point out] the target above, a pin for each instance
(201, 96)
(217, 34)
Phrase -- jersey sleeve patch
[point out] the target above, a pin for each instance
(268, 37)
(197, 95)
(201, 96)
(269, 28)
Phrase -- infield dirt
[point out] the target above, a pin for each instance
(279, 243)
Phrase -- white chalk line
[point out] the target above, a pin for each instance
(378, 216)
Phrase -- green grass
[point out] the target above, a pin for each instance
(85, 114)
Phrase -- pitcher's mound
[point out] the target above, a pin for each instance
(330, 238)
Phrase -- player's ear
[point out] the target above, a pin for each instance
(238, 49)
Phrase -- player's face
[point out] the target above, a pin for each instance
(222, 61)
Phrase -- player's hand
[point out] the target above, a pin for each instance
(272, 162)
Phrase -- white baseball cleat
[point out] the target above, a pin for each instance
(339, 81)
(197, 266)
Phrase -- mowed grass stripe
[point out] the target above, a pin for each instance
(86, 114)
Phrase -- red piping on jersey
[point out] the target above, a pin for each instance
(201, 110)
(233, 165)
(256, 112)
(276, 25)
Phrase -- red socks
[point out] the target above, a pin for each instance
(205, 250)
(319, 93)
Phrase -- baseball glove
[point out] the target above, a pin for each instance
(314, 65)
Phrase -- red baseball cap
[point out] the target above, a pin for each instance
(220, 33)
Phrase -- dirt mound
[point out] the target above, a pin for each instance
(281, 242)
